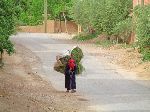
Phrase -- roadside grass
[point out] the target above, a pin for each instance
(84, 37)
(104, 43)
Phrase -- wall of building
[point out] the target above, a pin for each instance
(52, 27)
(138, 2)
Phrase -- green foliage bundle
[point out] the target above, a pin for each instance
(142, 19)
(7, 26)
(77, 55)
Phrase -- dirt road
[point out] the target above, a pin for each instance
(23, 90)
(103, 87)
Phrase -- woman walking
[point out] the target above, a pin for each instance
(70, 75)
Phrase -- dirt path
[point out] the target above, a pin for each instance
(22, 90)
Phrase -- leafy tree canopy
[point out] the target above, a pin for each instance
(7, 25)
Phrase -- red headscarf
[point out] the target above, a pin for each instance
(71, 64)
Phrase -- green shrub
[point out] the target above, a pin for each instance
(85, 36)
(105, 43)
(146, 55)
(123, 30)
(7, 26)
(142, 19)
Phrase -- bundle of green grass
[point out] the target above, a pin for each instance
(62, 61)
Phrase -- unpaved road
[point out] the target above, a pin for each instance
(23, 90)
(108, 88)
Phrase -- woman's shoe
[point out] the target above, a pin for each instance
(73, 91)
(67, 91)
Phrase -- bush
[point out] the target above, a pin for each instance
(7, 26)
(123, 30)
(146, 54)
(105, 43)
(141, 14)
(85, 36)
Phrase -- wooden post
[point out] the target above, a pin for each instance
(1, 59)
(79, 29)
(1, 56)
(45, 16)
(138, 2)
(142, 2)
(66, 29)
(60, 26)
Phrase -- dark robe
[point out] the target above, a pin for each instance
(70, 78)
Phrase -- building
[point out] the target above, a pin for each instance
(139, 2)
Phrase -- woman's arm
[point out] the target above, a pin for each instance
(66, 69)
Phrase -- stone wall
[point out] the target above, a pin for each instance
(52, 27)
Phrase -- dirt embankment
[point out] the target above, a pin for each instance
(126, 57)
(22, 90)
(129, 59)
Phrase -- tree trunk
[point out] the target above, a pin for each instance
(91, 30)
(60, 28)
(45, 16)
(66, 30)
(142, 2)
(79, 29)
(131, 39)
(56, 29)
(1, 59)
(138, 2)
(117, 40)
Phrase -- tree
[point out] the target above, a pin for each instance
(58, 9)
(31, 12)
(142, 29)
(7, 26)
(101, 15)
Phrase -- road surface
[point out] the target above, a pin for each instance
(108, 88)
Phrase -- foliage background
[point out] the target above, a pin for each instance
(142, 20)
(7, 26)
